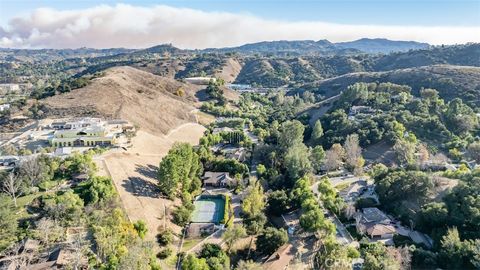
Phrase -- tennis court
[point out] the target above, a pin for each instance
(208, 209)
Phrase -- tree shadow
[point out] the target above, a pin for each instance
(147, 171)
(202, 95)
(141, 187)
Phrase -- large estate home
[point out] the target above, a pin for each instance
(89, 136)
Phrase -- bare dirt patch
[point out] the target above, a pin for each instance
(134, 175)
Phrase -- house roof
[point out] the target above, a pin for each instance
(373, 214)
(281, 258)
(380, 229)
(215, 177)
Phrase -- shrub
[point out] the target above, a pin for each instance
(226, 210)
(164, 238)
(164, 253)
(141, 227)
(182, 215)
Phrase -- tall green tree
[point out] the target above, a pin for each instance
(317, 132)
(8, 222)
(297, 161)
(232, 234)
(270, 240)
(254, 201)
(291, 134)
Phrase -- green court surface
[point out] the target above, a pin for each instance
(208, 209)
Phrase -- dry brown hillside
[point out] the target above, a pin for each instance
(230, 70)
(149, 101)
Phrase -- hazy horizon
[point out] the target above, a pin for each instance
(143, 25)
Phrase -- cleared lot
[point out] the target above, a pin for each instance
(134, 174)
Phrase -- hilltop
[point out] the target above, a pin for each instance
(451, 81)
(155, 103)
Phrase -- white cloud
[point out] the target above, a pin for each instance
(139, 27)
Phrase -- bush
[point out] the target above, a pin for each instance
(182, 215)
(164, 253)
(226, 211)
(141, 227)
(164, 238)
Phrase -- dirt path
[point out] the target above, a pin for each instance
(134, 174)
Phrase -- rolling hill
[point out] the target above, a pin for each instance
(382, 45)
(152, 102)
(451, 81)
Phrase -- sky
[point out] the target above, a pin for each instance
(219, 23)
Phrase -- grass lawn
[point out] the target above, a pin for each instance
(342, 186)
(23, 201)
(189, 243)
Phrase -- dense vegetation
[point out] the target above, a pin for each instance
(48, 202)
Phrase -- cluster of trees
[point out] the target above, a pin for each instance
(452, 222)
(396, 110)
(91, 204)
(180, 170)
(312, 218)
(215, 91)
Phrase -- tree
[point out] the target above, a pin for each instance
(329, 196)
(353, 152)
(314, 220)
(8, 222)
(98, 189)
(270, 240)
(48, 229)
(11, 185)
(216, 258)
(141, 228)
(423, 155)
(190, 262)
(178, 167)
(405, 152)
(297, 161)
(460, 118)
(291, 134)
(232, 234)
(31, 168)
(261, 169)
(332, 252)
(182, 215)
(377, 257)
(398, 186)
(317, 132)
(474, 151)
(334, 157)
(254, 201)
(455, 253)
(317, 158)
(66, 208)
(278, 202)
(248, 265)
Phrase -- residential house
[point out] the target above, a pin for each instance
(58, 125)
(90, 136)
(354, 191)
(237, 153)
(374, 223)
(217, 179)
